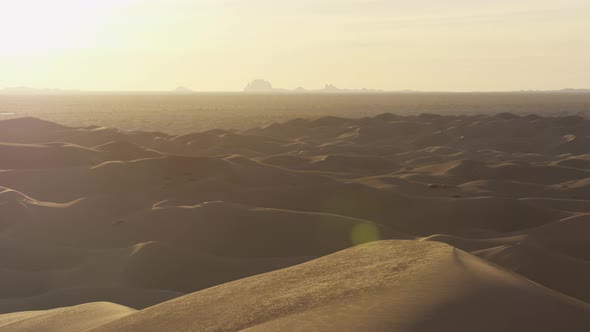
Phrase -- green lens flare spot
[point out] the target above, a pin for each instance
(365, 232)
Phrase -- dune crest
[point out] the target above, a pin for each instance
(381, 286)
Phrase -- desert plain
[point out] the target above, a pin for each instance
(472, 221)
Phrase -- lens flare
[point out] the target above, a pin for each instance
(365, 232)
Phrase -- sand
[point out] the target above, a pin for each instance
(78, 318)
(484, 221)
(381, 286)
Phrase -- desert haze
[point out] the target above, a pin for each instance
(424, 222)
(308, 165)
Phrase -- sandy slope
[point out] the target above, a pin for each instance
(382, 286)
(74, 319)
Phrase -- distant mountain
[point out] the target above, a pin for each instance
(330, 88)
(261, 85)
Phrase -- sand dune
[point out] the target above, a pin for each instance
(198, 221)
(125, 150)
(336, 163)
(408, 286)
(562, 273)
(54, 155)
(74, 319)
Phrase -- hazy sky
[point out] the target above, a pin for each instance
(223, 44)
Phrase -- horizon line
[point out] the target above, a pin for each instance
(58, 91)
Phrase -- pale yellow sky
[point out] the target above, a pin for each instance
(220, 45)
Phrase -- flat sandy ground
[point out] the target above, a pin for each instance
(381, 223)
(187, 113)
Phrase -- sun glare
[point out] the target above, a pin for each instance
(39, 26)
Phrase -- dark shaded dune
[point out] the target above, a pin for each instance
(570, 236)
(436, 138)
(415, 215)
(341, 147)
(536, 174)
(54, 155)
(410, 286)
(155, 265)
(35, 131)
(356, 164)
(377, 131)
(15, 256)
(42, 183)
(441, 150)
(547, 267)
(125, 150)
(297, 128)
(506, 116)
(12, 208)
(388, 117)
(232, 230)
(7, 194)
(178, 176)
(581, 162)
(253, 175)
(570, 121)
(572, 144)
(506, 189)
(205, 178)
(131, 297)
(410, 132)
(522, 134)
(142, 173)
(554, 255)
(189, 171)
(12, 200)
(49, 275)
(474, 244)
(197, 247)
(29, 130)
(287, 161)
(461, 168)
(437, 157)
(16, 285)
(328, 121)
(485, 127)
(260, 144)
(564, 204)
(93, 137)
(202, 139)
(471, 170)
(210, 143)
(333, 197)
(576, 189)
(409, 188)
(29, 123)
(430, 155)
(444, 215)
(17, 209)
